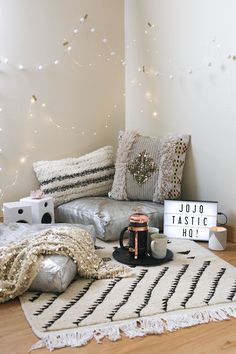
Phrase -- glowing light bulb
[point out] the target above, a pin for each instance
(104, 40)
(0, 130)
(56, 61)
(20, 67)
(43, 105)
(171, 77)
(108, 116)
(0, 150)
(112, 53)
(148, 94)
(92, 29)
(33, 99)
(95, 133)
(154, 114)
(82, 19)
(69, 48)
(76, 30)
(40, 67)
(1, 109)
(23, 160)
(5, 60)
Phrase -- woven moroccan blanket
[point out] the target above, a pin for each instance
(195, 287)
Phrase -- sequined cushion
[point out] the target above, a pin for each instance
(149, 168)
(71, 178)
(108, 216)
(56, 271)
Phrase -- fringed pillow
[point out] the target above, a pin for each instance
(72, 178)
(149, 168)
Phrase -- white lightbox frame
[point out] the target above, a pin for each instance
(189, 219)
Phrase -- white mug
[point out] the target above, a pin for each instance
(217, 238)
(151, 230)
(158, 245)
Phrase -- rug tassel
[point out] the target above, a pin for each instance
(136, 328)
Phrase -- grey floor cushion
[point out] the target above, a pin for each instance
(56, 272)
(108, 216)
(17, 231)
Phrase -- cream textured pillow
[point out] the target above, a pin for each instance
(72, 178)
(149, 168)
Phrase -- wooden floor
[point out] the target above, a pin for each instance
(16, 336)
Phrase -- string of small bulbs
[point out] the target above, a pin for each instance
(67, 49)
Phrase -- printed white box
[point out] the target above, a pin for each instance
(17, 212)
(42, 209)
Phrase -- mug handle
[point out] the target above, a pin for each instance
(226, 219)
(121, 238)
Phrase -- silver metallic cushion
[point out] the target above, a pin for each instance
(56, 272)
(108, 216)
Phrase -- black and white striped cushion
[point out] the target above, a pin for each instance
(72, 178)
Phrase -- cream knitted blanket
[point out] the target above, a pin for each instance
(19, 262)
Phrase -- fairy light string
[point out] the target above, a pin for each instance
(37, 107)
(109, 55)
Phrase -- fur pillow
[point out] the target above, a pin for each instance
(72, 178)
(149, 168)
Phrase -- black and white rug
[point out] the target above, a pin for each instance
(196, 287)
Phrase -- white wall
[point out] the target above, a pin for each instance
(85, 97)
(192, 41)
(187, 35)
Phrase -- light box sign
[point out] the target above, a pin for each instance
(189, 219)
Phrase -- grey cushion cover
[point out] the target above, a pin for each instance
(108, 216)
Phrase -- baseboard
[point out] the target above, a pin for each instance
(231, 233)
